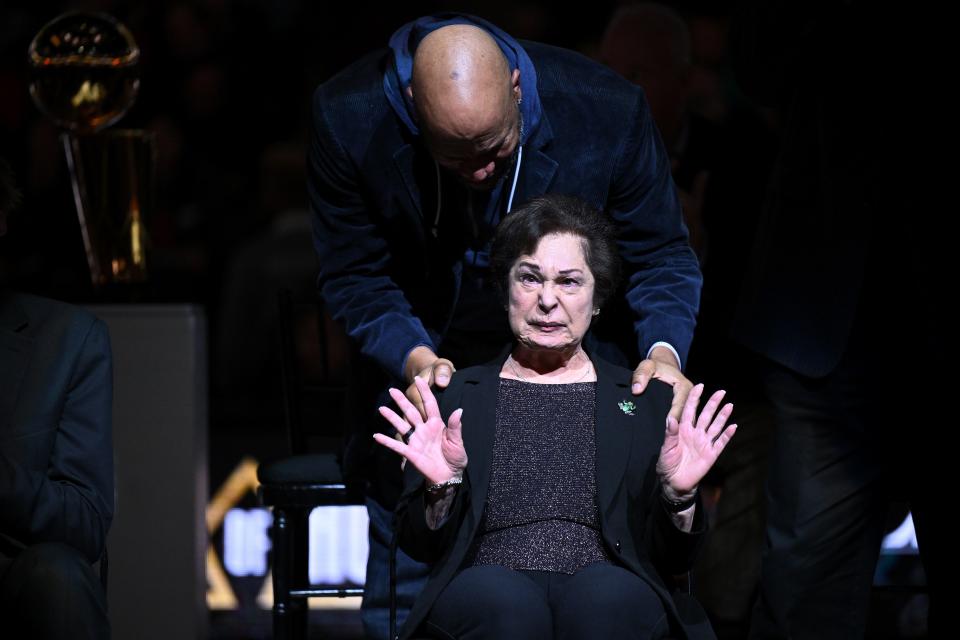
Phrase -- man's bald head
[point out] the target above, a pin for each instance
(461, 81)
(465, 94)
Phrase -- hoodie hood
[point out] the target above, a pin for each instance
(404, 42)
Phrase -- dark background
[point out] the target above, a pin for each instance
(226, 86)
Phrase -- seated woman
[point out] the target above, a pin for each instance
(552, 502)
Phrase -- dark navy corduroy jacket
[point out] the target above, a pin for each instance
(373, 191)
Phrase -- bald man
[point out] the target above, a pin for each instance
(418, 151)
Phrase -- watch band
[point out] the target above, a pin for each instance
(673, 506)
(440, 486)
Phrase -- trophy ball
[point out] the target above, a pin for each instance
(84, 71)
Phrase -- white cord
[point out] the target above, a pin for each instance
(516, 174)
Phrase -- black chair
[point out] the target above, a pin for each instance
(293, 486)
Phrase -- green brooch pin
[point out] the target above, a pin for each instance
(627, 407)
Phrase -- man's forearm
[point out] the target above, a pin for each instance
(34, 508)
(381, 322)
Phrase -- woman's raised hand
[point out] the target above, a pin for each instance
(433, 448)
(691, 446)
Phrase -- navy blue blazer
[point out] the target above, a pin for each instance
(56, 447)
(371, 185)
(636, 529)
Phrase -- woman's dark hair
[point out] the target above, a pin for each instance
(521, 231)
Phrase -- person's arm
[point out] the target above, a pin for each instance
(427, 520)
(669, 543)
(674, 521)
(72, 501)
(673, 540)
(663, 277)
(690, 448)
(354, 256)
(426, 528)
(662, 272)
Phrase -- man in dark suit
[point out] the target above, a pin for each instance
(56, 463)
(846, 298)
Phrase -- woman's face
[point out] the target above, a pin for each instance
(551, 294)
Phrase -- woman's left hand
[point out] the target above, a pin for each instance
(691, 446)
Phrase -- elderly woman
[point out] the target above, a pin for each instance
(550, 501)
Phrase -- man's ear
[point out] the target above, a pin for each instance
(515, 85)
(410, 92)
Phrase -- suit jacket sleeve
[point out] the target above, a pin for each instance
(72, 502)
(354, 255)
(417, 540)
(663, 277)
(673, 551)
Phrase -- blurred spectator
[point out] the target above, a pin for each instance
(56, 462)
(247, 361)
(718, 165)
(848, 282)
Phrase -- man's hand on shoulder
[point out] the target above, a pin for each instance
(424, 363)
(663, 366)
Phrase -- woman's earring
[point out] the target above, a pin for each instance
(596, 311)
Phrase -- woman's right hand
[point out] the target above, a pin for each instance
(436, 450)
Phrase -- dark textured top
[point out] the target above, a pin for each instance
(541, 510)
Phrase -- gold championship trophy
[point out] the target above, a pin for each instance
(85, 78)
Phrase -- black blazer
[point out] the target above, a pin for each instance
(637, 531)
(56, 451)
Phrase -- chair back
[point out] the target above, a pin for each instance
(314, 361)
